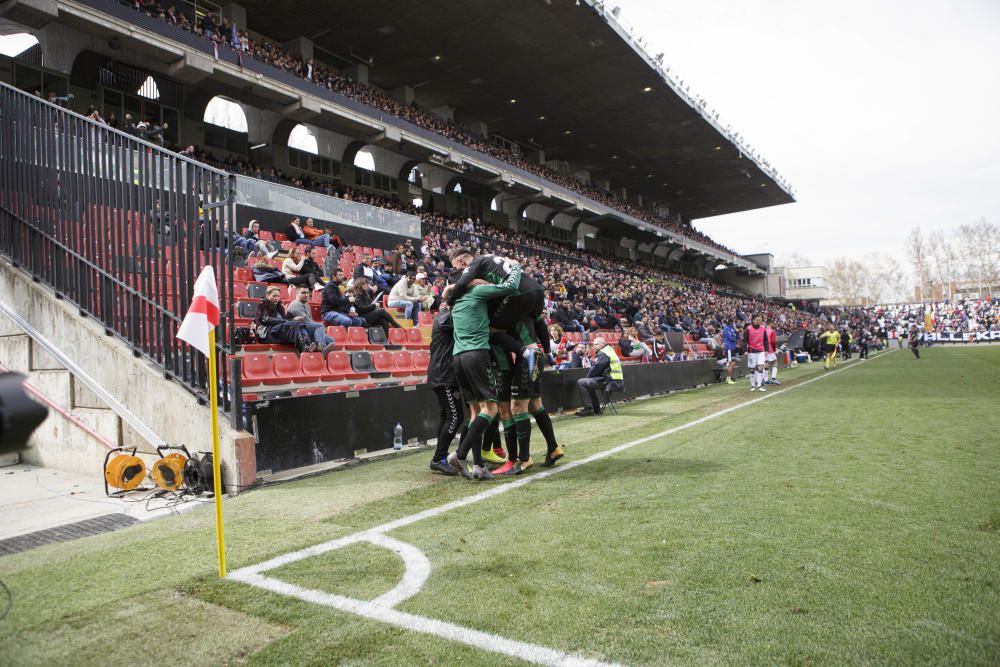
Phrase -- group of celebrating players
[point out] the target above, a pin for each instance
(489, 343)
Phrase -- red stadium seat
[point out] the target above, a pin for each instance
(415, 338)
(312, 364)
(338, 334)
(358, 339)
(339, 365)
(265, 235)
(250, 398)
(421, 359)
(240, 290)
(280, 236)
(382, 362)
(244, 274)
(309, 391)
(336, 388)
(402, 362)
(364, 385)
(397, 337)
(425, 318)
(257, 370)
(286, 367)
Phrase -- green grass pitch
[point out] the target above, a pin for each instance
(854, 520)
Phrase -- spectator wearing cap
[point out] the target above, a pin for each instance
(429, 300)
(405, 295)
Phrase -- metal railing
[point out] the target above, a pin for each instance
(118, 226)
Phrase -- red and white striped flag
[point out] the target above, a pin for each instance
(203, 315)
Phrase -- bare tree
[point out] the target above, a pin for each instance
(896, 279)
(944, 266)
(916, 249)
(980, 253)
(848, 279)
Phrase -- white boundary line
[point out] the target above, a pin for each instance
(418, 566)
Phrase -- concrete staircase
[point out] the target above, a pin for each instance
(80, 428)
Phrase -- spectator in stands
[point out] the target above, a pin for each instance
(253, 244)
(300, 310)
(364, 268)
(296, 234)
(631, 346)
(405, 295)
(336, 306)
(293, 268)
(661, 348)
(312, 232)
(271, 325)
(371, 312)
(310, 265)
(382, 279)
(429, 301)
(605, 373)
(642, 331)
(264, 272)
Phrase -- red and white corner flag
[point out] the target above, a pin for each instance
(203, 315)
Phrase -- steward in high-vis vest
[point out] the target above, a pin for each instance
(605, 373)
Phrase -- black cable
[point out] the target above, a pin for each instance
(10, 600)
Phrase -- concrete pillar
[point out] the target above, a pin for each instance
(404, 95)
(357, 72)
(302, 46)
(535, 155)
(623, 193)
(446, 112)
(602, 183)
(236, 14)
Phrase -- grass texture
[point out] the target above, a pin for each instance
(855, 520)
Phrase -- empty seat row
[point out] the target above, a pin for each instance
(290, 368)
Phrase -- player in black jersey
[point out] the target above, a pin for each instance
(527, 304)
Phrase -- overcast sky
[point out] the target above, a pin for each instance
(883, 114)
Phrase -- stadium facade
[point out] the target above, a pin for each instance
(542, 117)
(556, 83)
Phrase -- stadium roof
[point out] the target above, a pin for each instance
(580, 89)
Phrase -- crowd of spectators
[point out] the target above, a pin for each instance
(225, 35)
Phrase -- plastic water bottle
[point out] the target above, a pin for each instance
(397, 437)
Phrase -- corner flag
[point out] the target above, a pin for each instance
(203, 315)
(198, 331)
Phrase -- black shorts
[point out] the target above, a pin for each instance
(503, 379)
(521, 385)
(829, 349)
(529, 303)
(474, 372)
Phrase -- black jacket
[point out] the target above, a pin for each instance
(333, 300)
(363, 302)
(601, 367)
(268, 314)
(440, 372)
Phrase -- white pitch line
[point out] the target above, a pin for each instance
(418, 566)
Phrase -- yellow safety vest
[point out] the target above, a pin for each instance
(616, 364)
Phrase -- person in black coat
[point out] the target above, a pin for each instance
(441, 379)
(372, 314)
(336, 305)
(271, 325)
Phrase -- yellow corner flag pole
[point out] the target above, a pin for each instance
(213, 393)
